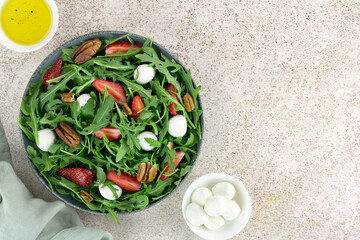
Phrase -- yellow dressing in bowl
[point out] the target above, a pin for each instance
(26, 22)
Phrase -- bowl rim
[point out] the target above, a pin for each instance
(224, 177)
(8, 43)
(33, 78)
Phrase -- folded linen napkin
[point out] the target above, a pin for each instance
(25, 217)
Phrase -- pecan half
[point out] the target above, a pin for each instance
(86, 50)
(188, 102)
(68, 134)
(68, 98)
(86, 196)
(146, 173)
(126, 109)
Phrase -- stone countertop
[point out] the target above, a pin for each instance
(281, 99)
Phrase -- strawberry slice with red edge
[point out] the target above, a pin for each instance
(53, 72)
(180, 155)
(114, 89)
(111, 133)
(172, 90)
(123, 47)
(137, 105)
(125, 181)
(81, 176)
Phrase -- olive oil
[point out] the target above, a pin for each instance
(26, 22)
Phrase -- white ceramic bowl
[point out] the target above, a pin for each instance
(4, 40)
(242, 197)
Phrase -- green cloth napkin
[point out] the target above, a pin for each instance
(24, 217)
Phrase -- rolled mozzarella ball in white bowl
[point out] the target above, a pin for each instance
(216, 206)
(143, 143)
(144, 74)
(177, 126)
(232, 211)
(214, 223)
(201, 196)
(196, 215)
(106, 192)
(47, 138)
(224, 189)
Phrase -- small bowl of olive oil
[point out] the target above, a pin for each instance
(27, 25)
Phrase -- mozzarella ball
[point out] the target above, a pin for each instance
(47, 138)
(214, 223)
(195, 214)
(144, 73)
(216, 206)
(177, 126)
(224, 189)
(106, 192)
(143, 143)
(201, 196)
(83, 99)
(232, 210)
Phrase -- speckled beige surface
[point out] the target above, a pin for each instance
(281, 96)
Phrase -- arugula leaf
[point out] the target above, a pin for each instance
(104, 109)
(158, 188)
(75, 113)
(94, 128)
(135, 86)
(22, 124)
(165, 127)
(100, 174)
(191, 140)
(110, 41)
(113, 64)
(113, 215)
(185, 170)
(123, 149)
(168, 191)
(67, 52)
(150, 56)
(52, 89)
(88, 110)
(153, 142)
(140, 201)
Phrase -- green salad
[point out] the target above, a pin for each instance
(97, 125)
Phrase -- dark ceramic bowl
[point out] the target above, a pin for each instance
(49, 60)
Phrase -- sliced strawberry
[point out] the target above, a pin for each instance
(137, 105)
(81, 176)
(123, 47)
(53, 72)
(125, 181)
(180, 155)
(111, 133)
(172, 90)
(115, 90)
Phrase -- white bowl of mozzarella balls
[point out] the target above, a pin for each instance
(216, 206)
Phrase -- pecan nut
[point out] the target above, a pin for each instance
(68, 134)
(146, 173)
(86, 196)
(86, 50)
(126, 109)
(68, 98)
(188, 102)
